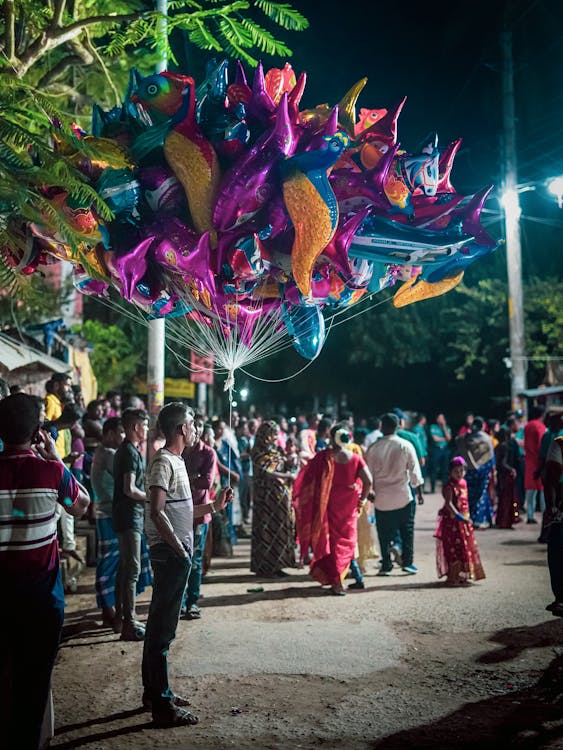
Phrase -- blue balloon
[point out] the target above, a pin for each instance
(306, 327)
(120, 190)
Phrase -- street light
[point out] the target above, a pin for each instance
(555, 187)
(244, 392)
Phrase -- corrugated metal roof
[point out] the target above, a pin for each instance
(15, 356)
(549, 390)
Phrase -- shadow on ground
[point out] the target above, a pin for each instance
(525, 720)
(99, 736)
(515, 640)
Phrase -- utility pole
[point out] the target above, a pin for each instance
(512, 212)
(157, 334)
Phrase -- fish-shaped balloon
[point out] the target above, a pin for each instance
(312, 205)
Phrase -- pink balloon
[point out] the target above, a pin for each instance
(130, 267)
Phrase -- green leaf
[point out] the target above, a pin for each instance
(284, 15)
(203, 38)
(265, 42)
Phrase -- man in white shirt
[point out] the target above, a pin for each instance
(394, 465)
(374, 433)
(169, 530)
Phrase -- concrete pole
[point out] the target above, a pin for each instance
(512, 212)
(157, 333)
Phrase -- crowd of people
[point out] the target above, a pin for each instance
(312, 491)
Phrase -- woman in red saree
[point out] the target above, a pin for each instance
(328, 493)
(457, 556)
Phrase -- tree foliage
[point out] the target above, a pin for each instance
(40, 302)
(57, 56)
(466, 331)
(114, 357)
(69, 49)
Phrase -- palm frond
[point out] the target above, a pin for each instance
(202, 37)
(265, 41)
(283, 14)
(235, 32)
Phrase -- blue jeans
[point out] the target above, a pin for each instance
(194, 581)
(398, 541)
(555, 559)
(232, 533)
(355, 571)
(531, 502)
(170, 577)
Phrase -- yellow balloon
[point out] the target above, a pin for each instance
(414, 290)
(313, 227)
(199, 174)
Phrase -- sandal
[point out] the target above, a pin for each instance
(176, 718)
(337, 591)
(177, 700)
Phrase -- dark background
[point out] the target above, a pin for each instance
(448, 62)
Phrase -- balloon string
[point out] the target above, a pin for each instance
(332, 324)
(229, 385)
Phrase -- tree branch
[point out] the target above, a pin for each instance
(9, 30)
(58, 70)
(62, 89)
(60, 6)
(51, 38)
(84, 23)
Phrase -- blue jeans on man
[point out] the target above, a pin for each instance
(170, 578)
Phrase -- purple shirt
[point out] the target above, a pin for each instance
(201, 463)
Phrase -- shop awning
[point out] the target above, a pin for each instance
(17, 356)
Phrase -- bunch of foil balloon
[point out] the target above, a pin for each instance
(247, 219)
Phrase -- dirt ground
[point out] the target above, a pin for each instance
(406, 663)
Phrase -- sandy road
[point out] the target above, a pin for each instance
(407, 663)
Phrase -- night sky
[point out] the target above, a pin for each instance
(448, 62)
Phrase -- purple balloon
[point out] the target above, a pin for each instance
(87, 285)
(250, 184)
(131, 266)
(174, 244)
(261, 106)
(161, 190)
(336, 252)
(352, 188)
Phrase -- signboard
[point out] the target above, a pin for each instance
(173, 388)
(202, 368)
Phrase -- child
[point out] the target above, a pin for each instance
(292, 463)
(457, 556)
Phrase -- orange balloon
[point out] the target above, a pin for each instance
(414, 291)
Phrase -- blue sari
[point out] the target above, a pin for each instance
(480, 505)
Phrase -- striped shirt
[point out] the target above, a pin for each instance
(30, 489)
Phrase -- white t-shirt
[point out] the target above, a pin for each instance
(168, 471)
(393, 465)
